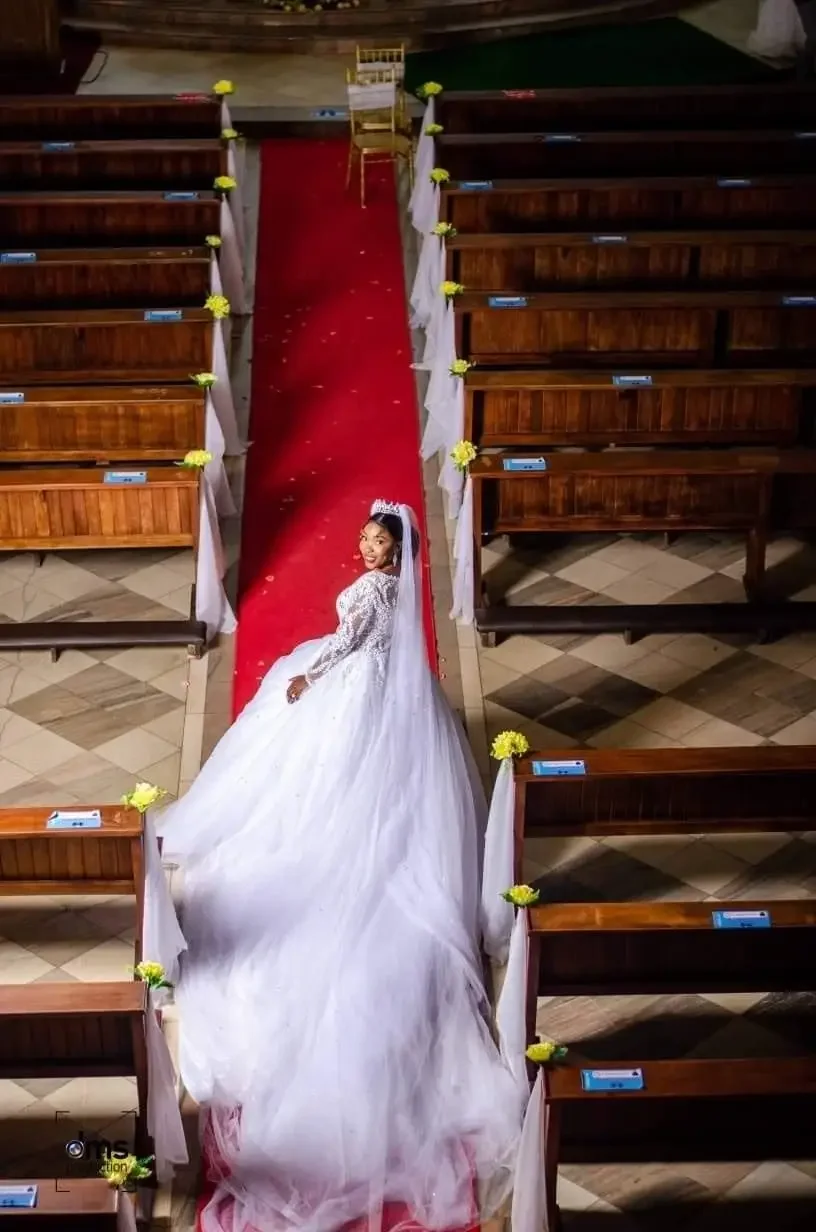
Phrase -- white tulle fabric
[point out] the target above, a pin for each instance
(164, 1123)
(162, 939)
(421, 205)
(497, 914)
(779, 33)
(464, 547)
(331, 1003)
(125, 1214)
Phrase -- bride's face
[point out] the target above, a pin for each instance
(376, 546)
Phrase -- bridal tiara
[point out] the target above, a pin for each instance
(382, 506)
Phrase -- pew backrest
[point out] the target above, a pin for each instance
(181, 165)
(84, 117)
(36, 859)
(52, 219)
(105, 278)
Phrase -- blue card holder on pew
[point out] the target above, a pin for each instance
(160, 315)
(524, 464)
(799, 301)
(549, 769)
(631, 382)
(17, 258)
(560, 138)
(741, 919)
(126, 477)
(11, 399)
(19, 1197)
(610, 239)
(180, 196)
(330, 113)
(74, 819)
(805, 136)
(507, 301)
(733, 183)
(474, 185)
(612, 1080)
(57, 147)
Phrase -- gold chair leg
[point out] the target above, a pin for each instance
(350, 165)
(362, 179)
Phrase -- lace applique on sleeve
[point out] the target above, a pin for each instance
(365, 616)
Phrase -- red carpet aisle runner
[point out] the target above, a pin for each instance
(334, 418)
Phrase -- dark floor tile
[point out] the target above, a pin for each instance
(790, 1015)
(619, 696)
(578, 719)
(528, 696)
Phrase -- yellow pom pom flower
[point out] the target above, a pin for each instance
(224, 183)
(429, 89)
(124, 1171)
(521, 896)
(439, 175)
(212, 241)
(450, 289)
(444, 229)
(143, 796)
(229, 134)
(463, 454)
(545, 1052)
(509, 744)
(218, 305)
(433, 130)
(460, 367)
(204, 380)
(196, 459)
(223, 87)
(152, 974)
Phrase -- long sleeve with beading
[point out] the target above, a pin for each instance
(366, 611)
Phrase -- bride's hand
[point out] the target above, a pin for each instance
(297, 687)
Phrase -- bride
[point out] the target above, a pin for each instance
(333, 1017)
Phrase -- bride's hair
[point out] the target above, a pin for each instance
(392, 522)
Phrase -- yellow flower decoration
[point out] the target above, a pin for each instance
(439, 176)
(450, 289)
(433, 130)
(224, 183)
(204, 380)
(463, 454)
(444, 229)
(460, 367)
(124, 1171)
(229, 134)
(509, 744)
(196, 459)
(152, 974)
(218, 305)
(546, 1051)
(521, 895)
(212, 241)
(223, 87)
(143, 796)
(429, 89)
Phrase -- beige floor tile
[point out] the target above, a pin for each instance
(17, 683)
(610, 651)
(572, 1197)
(734, 1002)
(705, 867)
(631, 554)
(522, 654)
(553, 852)
(164, 773)
(774, 1179)
(135, 750)
(147, 662)
(178, 600)
(12, 776)
(660, 851)
(716, 733)
(173, 682)
(628, 734)
(495, 675)
(697, 650)
(635, 588)
(108, 962)
(803, 731)
(593, 573)
(94, 1098)
(670, 717)
(674, 572)
(13, 1098)
(752, 848)
(41, 752)
(14, 728)
(657, 671)
(790, 651)
(27, 603)
(20, 966)
(39, 663)
(169, 727)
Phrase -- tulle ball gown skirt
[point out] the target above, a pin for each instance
(331, 1005)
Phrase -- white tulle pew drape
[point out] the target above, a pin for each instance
(779, 33)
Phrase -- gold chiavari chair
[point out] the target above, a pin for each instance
(373, 118)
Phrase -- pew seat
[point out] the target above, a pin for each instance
(634, 949)
(63, 219)
(103, 346)
(157, 163)
(542, 409)
(642, 201)
(111, 117)
(119, 423)
(75, 1204)
(105, 278)
(37, 860)
(56, 636)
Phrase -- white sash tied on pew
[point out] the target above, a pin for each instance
(212, 604)
(463, 548)
(162, 939)
(215, 470)
(441, 388)
(430, 273)
(421, 197)
(498, 874)
(434, 332)
(221, 393)
(125, 1213)
(232, 264)
(227, 285)
(216, 286)
(779, 32)
(236, 198)
(164, 1123)
(511, 1011)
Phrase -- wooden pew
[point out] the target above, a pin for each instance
(755, 1108)
(635, 202)
(80, 1204)
(791, 104)
(764, 790)
(77, 1031)
(639, 949)
(542, 409)
(109, 117)
(115, 219)
(643, 490)
(688, 260)
(705, 151)
(63, 509)
(167, 164)
(109, 860)
(104, 278)
(121, 423)
(103, 346)
(643, 330)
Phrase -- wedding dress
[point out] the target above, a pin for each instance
(331, 1005)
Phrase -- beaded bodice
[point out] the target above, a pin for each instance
(366, 613)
